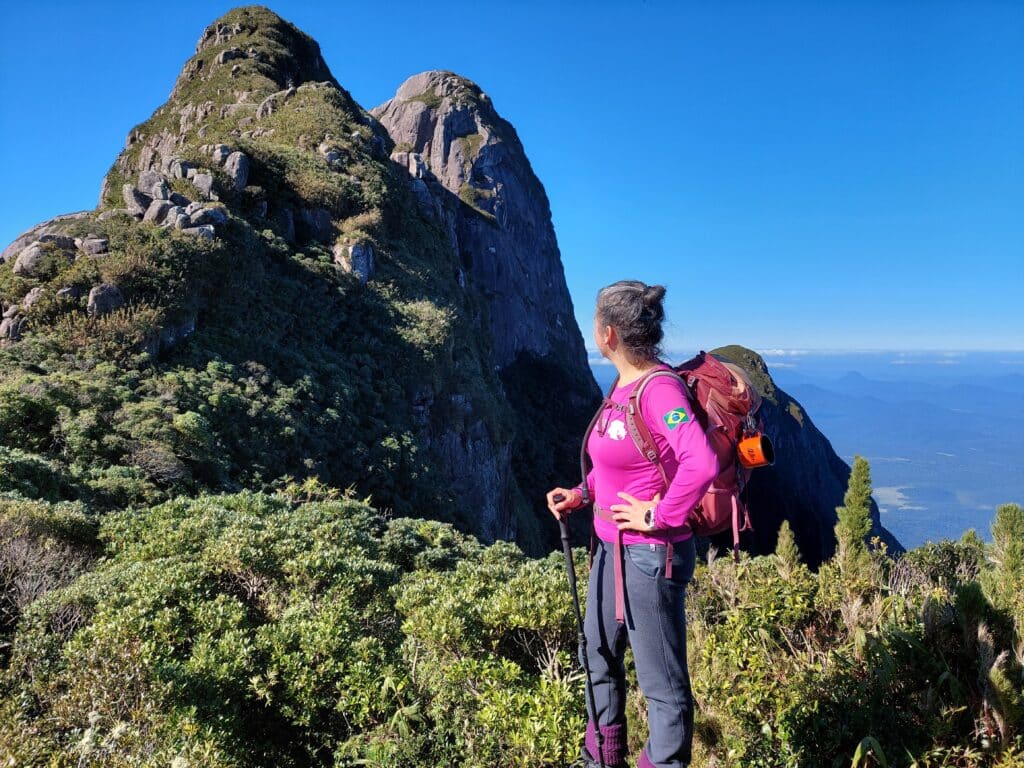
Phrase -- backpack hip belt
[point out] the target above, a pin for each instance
(620, 583)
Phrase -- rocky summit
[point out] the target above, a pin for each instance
(468, 169)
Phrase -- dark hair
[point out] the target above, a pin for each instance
(634, 310)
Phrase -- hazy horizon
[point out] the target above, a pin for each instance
(938, 428)
(765, 352)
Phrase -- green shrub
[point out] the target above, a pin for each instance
(287, 633)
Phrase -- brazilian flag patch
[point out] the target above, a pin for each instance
(675, 417)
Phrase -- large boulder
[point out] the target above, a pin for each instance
(203, 182)
(94, 245)
(220, 153)
(178, 168)
(237, 167)
(44, 255)
(208, 215)
(356, 258)
(157, 211)
(11, 328)
(30, 261)
(152, 184)
(104, 298)
(205, 231)
(136, 201)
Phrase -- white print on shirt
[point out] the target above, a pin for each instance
(617, 430)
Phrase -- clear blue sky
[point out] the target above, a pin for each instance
(800, 175)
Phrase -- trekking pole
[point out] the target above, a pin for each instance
(570, 570)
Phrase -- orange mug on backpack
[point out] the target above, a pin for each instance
(755, 450)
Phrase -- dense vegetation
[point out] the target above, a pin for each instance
(305, 628)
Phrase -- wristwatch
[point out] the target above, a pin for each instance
(649, 520)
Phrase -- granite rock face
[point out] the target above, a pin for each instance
(467, 170)
(450, 138)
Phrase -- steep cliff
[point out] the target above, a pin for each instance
(807, 481)
(448, 135)
(470, 174)
(261, 295)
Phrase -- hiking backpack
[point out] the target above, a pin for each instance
(725, 403)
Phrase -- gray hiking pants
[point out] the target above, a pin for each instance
(656, 630)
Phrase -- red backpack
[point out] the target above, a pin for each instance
(724, 402)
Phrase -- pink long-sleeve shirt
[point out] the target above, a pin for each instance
(687, 457)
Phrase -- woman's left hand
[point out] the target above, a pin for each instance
(630, 517)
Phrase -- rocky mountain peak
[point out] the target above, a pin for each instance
(255, 40)
(257, 223)
(450, 122)
(440, 84)
(256, 92)
(470, 172)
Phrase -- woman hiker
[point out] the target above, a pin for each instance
(640, 599)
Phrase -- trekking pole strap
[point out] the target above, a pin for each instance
(620, 586)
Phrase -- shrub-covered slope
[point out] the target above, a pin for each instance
(297, 629)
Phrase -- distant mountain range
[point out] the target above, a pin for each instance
(943, 431)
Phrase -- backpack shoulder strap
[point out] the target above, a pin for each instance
(637, 427)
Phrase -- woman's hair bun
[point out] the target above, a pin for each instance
(653, 295)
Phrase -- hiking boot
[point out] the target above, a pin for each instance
(586, 760)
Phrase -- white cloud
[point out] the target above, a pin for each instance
(782, 352)
(894, 496)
